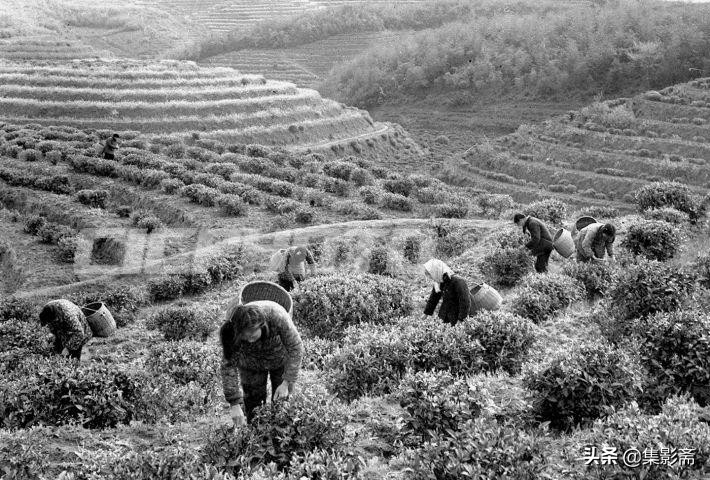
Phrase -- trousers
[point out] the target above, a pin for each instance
(254, 387)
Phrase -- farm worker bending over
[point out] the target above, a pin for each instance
(68, 324)
(110, 147)
(451, 289)
(594, 240)
(540, 244)
(259, 339)
(295, 266)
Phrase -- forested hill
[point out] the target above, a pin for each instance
(582, 50)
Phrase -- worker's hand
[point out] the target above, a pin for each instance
(237, 416)
(281, 391)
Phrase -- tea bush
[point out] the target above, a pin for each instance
(52, 232)
(669, 194)
(315, 245)
(701, 265)
(549, 210)
(93, 198)
(307, 423)
(19, 309)
(327, 304)
(450, 241)
(676, 350)
(374, 358)
(399, 186)
(66, 248)
(30, 155)
(455, 208)
(506, 339)
(183, 321)
(599, 212)
(667, 214)
(577, 385)
(494, 204)
(34, 224)
(540, 297)
(171, 185)
(341, 188)
(653, 239)
(648, 287)
(168, 287)
(383, 262)
(232, 205)
(435, 402)
(185, 362)
(56, 391)
(316, 351)
(370, 195)
(679, 424)
(506, 266)
(20, 339)
(596, 277)
(338, 169)
(394, 201)
(480, 448)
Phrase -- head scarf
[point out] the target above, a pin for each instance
(437, 269)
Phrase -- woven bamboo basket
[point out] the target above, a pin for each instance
(583, 222)
(563, 243)
(262, 290)
(100, 319)
(485, 297)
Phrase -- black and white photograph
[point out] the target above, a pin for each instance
(355, 240)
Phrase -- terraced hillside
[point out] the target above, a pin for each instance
(178, 99)
(306, 65)
(603, 151)
(226, 15)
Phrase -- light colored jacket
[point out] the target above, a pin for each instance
(279, 346)
(297, 258)
(589, 242)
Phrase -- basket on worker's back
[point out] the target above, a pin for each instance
(262, 290)
(584, 222)
(563, 243)
(485, 297)
(100, 319)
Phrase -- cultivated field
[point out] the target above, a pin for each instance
(603, 151)
(178, 99)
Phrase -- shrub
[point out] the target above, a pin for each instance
(374, 358)
(676, 349)
(450, 241)
(652, 239)
(599, 212)
(168, 287)
(52, 232)
(305, 216)
(669, 194)
(93, 198)
(315, 245)
(506, 339)
(54, 157)
(195, 282)
(549, 210)
(540, 297)
(56, 391)
(399, 186)
(232, 205)
(435, 402)
(34, 224)
(361, 177)
(338, 169)
(280, 431)
(596, 277)
(479, 448)
(336, 186)
(667, 214)
(412, 249)
(701, 266)
(201, 194)
(108, 251)
(146, 221)
(370, 195)
(225, 267)
(577, 385)
(183, 321)
(454, 209)
(327, 304)
(506, 266)
(171, 185)
(66, 248)
(397, 202)
(679, 424)
(429, 195)
(30, 155)
(123, 301)
(18, 309)
(494, 204)
(185, 362)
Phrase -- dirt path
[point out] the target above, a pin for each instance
(330, 143)
(270, 241)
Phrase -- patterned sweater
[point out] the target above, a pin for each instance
(280, 345)
(297, 259)
(591, 243)
(67, 323)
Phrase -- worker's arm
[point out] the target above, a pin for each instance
(310, 261)
(432, 302)
(464, 298)
(534, 230)
(291, 340)
(610, 249)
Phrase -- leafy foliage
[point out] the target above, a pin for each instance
(653, 239)
(540, 297)
(508, 262)
(596, 277)
(576, 386)
(183, 321)
(550, 210)
(327, 304)
(670, 194)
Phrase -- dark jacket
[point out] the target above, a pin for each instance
(455, 300)
(540, 238)
(279, 346)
